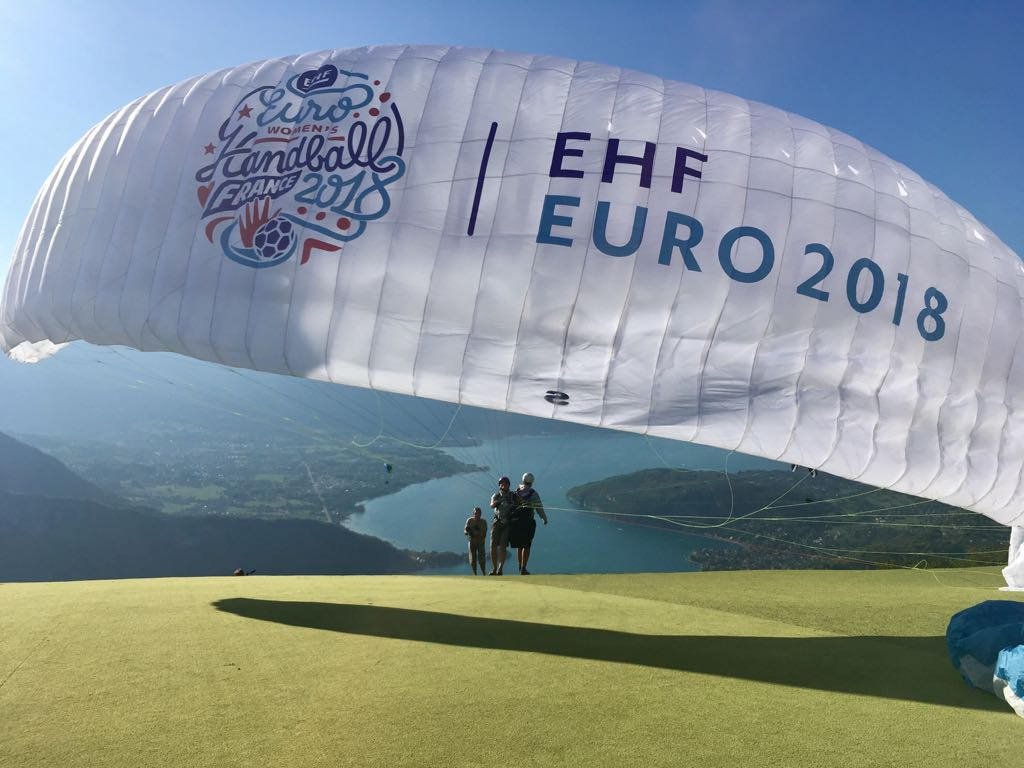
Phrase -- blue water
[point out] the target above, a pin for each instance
(431, 515)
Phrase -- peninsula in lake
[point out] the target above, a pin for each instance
(781, 519)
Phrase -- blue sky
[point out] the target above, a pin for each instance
(938, 86)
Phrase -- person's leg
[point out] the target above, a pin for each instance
(502, 534)
(526, 549)
(503, 551)
(494, 558)
(524, 559)
(472, 557)
(482, 553)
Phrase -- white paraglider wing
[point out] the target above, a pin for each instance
(548, 237)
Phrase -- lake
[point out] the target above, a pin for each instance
(431, 515)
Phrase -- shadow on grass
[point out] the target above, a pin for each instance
(892, 667)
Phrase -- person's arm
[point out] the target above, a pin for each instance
(494, 501)
(539, 508)
(466, 529)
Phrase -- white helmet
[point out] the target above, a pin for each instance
(528, 478)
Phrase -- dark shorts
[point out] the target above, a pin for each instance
(521, 533)
(499, 534)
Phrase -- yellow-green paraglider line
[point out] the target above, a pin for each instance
(437, 443)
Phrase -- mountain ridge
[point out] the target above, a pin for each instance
(57, 526)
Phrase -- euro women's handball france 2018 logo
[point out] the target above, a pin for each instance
(300, 167)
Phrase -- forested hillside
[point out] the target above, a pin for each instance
(27, 470)
(796, 520)
(45, 539)
(55, 525)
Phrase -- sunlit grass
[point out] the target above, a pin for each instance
(194, 492)
(805, 668)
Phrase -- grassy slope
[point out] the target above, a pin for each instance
(731, 669)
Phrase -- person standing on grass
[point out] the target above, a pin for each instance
(523, 526)
(502, 502)
(476, 532)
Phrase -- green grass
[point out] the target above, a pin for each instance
(808, 668)
(194, 492)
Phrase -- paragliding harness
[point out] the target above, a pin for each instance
(504, 519)
(522, 516)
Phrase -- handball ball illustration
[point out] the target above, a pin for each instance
(274, 238)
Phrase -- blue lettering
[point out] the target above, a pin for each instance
(806, 288)
(613, 158)
(230, 195)
(549, 219)
(767, 254)
(561, 153)
(877, 285)
(601, 231)
(681, 170)
(670, 240)
(935, 303)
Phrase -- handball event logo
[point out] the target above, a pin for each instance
(301, 167)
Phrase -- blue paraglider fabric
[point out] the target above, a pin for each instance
(1010, 669)
(986, 645)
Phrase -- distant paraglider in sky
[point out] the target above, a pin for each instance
(547, 237)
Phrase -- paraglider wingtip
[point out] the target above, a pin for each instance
(32, 351)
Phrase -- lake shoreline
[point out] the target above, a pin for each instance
(430, 516)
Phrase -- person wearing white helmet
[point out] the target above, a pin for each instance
(522, 525)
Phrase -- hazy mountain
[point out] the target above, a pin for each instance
(48, 539)
(25, 470)
(54, 525)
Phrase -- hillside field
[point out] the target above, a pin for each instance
(784, 668)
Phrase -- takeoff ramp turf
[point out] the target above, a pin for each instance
(809, 668)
